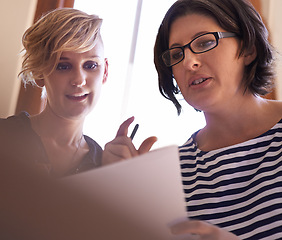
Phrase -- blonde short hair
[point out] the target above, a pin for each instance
(64, 29)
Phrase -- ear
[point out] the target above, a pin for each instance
(250, 56)
(40, 82)
(105, 76)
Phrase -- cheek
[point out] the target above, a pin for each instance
(235, 67)
(54, 86)
(96, 77)
(179, 78)
(97, 85)
(50, 87)
(95, 82)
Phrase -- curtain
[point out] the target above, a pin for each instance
(257, 5)
(30, 97)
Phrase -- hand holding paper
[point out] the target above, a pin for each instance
(122, 147)
(195, 230)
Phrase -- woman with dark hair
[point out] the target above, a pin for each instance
(216, 54)
(245, 22)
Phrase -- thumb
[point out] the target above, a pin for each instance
(147, 144)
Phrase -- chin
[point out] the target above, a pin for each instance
(201, 105)
(77, 115)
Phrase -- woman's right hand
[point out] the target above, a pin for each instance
(199, 230)
(122, 148)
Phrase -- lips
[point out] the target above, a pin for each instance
(198, 80)
(77, 97)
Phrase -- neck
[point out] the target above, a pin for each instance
(236, 123)
(237, 114)
(61, 130)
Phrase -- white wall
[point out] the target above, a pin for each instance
(15, 17)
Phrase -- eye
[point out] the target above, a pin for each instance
(90, 65)
(176, 53)
(204, 43)
(63, 66)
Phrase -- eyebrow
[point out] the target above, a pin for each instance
(64, 58)
(67, 58)
(193, 37)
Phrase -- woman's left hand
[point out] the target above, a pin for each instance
(200, 230)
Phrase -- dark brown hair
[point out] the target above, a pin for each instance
(237, 16)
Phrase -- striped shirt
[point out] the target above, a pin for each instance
(238, 188)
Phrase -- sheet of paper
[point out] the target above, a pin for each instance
(146, 189)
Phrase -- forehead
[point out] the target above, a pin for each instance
(187, 27)
(96, 51)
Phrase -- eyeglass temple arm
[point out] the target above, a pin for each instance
(226, 34)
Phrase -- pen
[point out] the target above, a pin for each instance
(134, 131)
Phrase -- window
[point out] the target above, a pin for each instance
(132, 86)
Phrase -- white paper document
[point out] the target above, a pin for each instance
(147, 189)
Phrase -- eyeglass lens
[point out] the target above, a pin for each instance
(200, 44)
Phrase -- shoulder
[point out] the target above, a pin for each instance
(189, 145)
(15, 123)
(95, 150)
(277, 104)
(18, 138)
(20, 117)
(92, 143)
(16, 129)
(275, 109)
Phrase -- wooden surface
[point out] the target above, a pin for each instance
(29, 99)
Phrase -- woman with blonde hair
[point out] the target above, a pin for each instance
(64, 54)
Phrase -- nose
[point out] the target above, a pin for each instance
(191, 60)
(78, 78)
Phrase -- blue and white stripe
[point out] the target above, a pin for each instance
(238, 187)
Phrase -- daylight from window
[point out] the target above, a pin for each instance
(129, 29)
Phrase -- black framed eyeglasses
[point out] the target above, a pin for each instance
(200, 44)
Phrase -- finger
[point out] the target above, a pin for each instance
(123, 129)
(188, 226)
(146, 145)
(203, 229)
